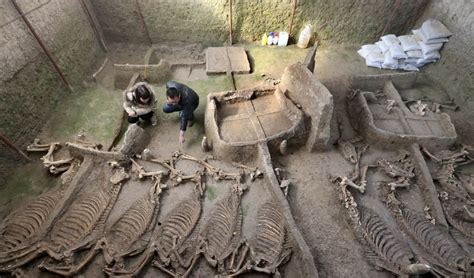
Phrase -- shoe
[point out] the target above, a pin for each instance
(154, 120)
(190, 123)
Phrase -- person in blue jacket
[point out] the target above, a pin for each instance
(180, 97)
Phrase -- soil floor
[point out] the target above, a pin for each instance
(316, 208)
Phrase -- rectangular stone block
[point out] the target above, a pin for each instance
(300, 85)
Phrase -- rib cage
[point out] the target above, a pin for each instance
(179, 223)
(383, 241)
(133, 224)
(225, 224)
(80, 219)
(464, 227)
(270, 234)
(26, 223)
(437, 242)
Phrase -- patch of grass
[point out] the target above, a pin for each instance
(266, 61)
(93, 111)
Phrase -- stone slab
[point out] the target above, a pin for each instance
(227, 60)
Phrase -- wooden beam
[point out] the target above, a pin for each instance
(40, 42)
(13, 147)
(143, 21)
(290, 26)
(230, 21)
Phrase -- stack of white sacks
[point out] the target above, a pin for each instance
(408, 52)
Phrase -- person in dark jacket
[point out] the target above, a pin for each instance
(180, 97)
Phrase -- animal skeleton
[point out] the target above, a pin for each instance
(175, 174)
(390, 105)
(168, 238)
(401, 169)
(54, 167)
(387, 251)
(86, 215)
(24, 224)
(345, 181)
(447, 177)
(348, 151)
(143, 174)
(446, 156)
(222, 233)
(454, 193)
(393, 170)
(349, 203)
(437, 246)
(255, 173)
(360, 175)
(467, 182)
(215, 172)
(435, 105)
(459, 216)
(418, 108)
(36, 146)
(272, 244)
(124, 238)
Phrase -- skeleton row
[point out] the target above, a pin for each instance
(168, 244)
(456, 193)
(432, 248)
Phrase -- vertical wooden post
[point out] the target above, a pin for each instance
(290, 26)
(143, 21)
(94, 27)
(230, 21)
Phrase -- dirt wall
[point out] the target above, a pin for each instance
(207, 20)
(454, 73)
(30, 87)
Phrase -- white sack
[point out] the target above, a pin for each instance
(408, 43)
(374, 60)
(428, 48)
(368, 49)
(394, 44)
(414, 54)
(433, 55)
(389, 62)
(419, 35)
(382, 46)
(411, 60)
(408, 67)
(434, 29)
(390, 40)
(396, 52)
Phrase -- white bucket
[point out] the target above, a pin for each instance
(283, 39)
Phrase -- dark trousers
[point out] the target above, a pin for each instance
(145, 117)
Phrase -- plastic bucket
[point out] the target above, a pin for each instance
(283, 39)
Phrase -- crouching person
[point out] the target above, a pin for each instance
(180, 97)
(140, 103)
